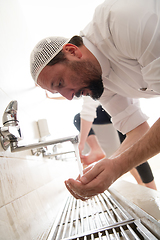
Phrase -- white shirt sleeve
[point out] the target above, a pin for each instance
(89, 107)
(126, 113)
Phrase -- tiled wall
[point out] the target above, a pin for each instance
(31, 192)
(31, 188)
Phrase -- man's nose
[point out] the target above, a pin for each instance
(69, 94)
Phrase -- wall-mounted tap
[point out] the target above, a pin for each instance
(10, 114)
(10, 132)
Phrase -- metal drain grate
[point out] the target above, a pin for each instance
(101, 217)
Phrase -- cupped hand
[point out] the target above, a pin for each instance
(96, 179)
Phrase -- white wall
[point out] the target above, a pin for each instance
(16, 82)
(30, 187)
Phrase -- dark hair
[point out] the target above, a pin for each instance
(60, 57)
(76, 40)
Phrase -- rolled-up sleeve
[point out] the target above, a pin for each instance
(88, 111)
(129, 119)
(126, 113)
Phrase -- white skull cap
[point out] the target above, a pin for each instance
(44, 52)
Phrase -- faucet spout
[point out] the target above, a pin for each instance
(10, 114)
(10, 132)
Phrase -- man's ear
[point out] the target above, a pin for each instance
(72, 50)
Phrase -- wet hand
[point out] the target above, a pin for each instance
(96, 179)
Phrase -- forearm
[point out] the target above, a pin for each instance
(85, 128)
(132, 137)
(98, 177)
(146, 147)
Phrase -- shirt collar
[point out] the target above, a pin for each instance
(103, 61)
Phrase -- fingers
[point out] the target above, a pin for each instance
(96, 179)
(91, 172)
(75, 194)
(85, 191)
(79, 190)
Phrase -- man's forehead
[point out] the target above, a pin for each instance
(45, 74)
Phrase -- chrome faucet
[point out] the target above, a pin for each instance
(11, 134)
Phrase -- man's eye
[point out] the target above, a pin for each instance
(60, 83)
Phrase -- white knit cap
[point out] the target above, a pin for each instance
(44, 52)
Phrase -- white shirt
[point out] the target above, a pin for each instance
(124, 36)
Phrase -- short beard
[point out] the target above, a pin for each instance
(92, 79)
(96, 88)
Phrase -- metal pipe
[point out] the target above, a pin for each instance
(16, 148)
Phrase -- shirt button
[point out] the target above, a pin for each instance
(143, 89)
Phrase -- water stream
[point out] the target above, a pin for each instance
(78, 159)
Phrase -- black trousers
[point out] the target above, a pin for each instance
(103, 117)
